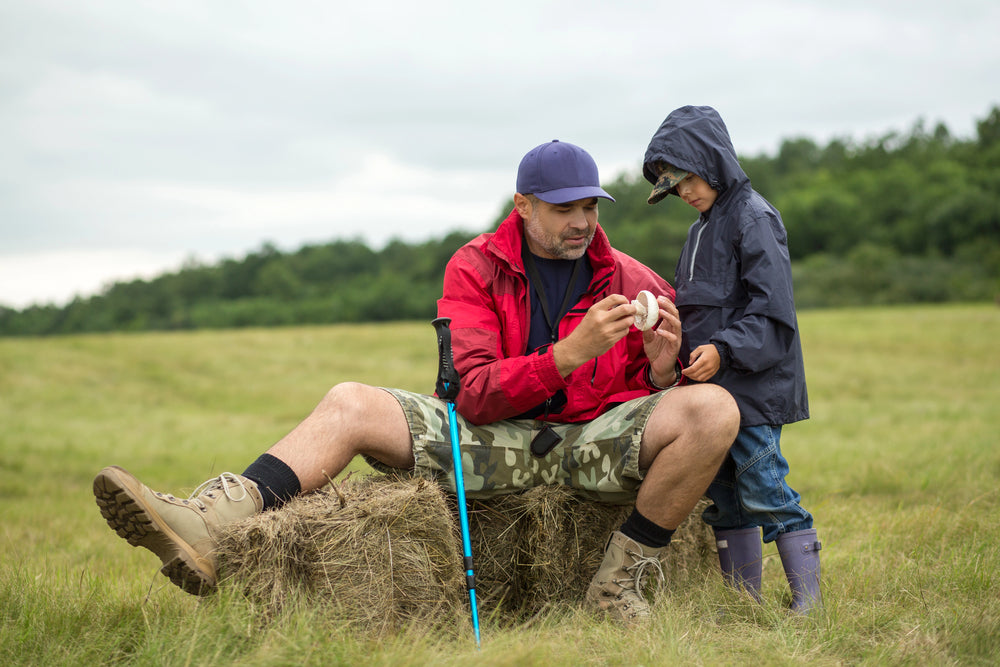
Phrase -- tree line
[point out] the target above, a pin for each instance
(902, 218)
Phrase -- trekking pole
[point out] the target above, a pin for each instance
(447, 389)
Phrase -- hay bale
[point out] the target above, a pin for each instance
(538, 548)
(541, 548)
(378, 552)
(385, 551)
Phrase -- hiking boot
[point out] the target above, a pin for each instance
(183, 533)
(620, 580)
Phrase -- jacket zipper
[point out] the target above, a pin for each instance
(694, 251)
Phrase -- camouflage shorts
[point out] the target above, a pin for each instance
(599, 458)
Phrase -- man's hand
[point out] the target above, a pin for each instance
(663, 343)
(605, 323)
(704, 363)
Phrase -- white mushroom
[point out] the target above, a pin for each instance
(647, 311)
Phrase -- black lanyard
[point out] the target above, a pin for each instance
(536, 280)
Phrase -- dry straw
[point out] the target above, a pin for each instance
(385, 552)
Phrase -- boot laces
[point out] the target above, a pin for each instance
(640, 570)
(227, 481)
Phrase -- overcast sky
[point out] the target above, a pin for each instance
(135, 135)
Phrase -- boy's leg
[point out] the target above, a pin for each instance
(725, 512)
(767, 499)
(737, 541)
(351, 419)
(741, 558)
(799, 551)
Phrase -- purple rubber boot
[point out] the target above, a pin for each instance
(799, 553)
(740, 558)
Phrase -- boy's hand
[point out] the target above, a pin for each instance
(704, 363)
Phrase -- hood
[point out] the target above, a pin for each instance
(696, 139)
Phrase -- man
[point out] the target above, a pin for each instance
(557, 388)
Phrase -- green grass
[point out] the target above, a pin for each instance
(900, 464)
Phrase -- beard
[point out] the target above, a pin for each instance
(556, 245)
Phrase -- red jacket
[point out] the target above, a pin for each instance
(486, 296)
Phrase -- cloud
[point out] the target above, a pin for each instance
(56, 277)
(190, 128)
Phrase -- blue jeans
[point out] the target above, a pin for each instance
(750, 487)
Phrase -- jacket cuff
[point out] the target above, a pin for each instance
(725, 354)
(544, 365)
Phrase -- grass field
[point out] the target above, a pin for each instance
(900, 464)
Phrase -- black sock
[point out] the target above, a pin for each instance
(276, 482)
(645, 532)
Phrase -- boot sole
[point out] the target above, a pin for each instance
(120, 500)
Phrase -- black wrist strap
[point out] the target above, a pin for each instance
(677, 377)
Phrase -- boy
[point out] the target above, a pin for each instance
(734, 293)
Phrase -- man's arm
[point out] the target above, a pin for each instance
(495, 384)
(605, 323)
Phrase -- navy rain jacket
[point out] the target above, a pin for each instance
(733, 278)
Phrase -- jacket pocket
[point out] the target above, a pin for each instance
(725, 293)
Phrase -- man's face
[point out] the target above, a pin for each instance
(697, 192)
(558, 231)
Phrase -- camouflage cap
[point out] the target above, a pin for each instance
(668, 178)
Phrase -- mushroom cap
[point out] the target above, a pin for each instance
(647, 310)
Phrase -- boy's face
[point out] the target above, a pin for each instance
(697, 192)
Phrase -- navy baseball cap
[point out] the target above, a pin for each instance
(559, 172)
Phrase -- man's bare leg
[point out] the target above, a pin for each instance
(351, 419)
(684, 443)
